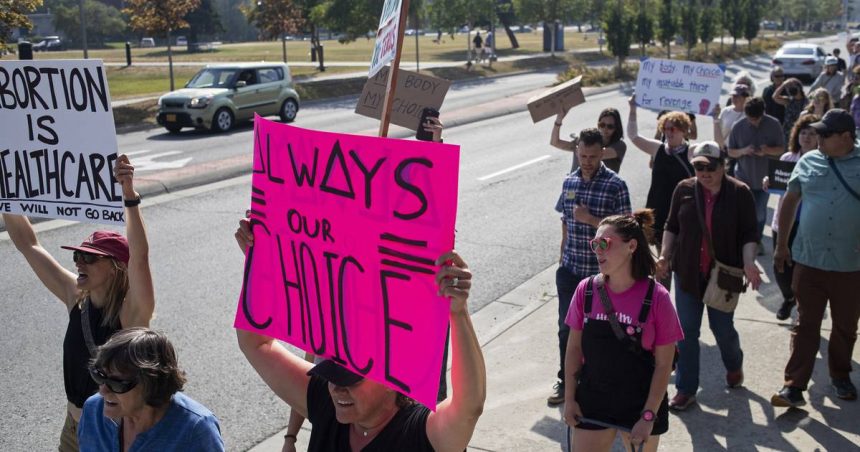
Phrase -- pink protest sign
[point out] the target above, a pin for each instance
(346, 232)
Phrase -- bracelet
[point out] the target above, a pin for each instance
(132, 202)
(290, 435)
(558, 124)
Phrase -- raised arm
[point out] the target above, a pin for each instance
(450, 428)
(649, 145)
(778, 95)
(140, 299)
(284, 372)
(61, 282)
(555, 140)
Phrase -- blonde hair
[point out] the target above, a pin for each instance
(677, 118)
(117, 290)
(810, 108)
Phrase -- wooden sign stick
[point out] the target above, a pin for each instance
(392, 72)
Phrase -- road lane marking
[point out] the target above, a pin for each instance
(514, 168)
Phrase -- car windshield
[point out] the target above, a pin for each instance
(797, 51)
(212, 78)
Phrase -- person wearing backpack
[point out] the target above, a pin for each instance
(621, 348)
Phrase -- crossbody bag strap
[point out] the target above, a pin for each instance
(589, 294)
(610, 311)
(646, 304)
(85, 325)
(681, 161)
(842, 179)
(700, 213)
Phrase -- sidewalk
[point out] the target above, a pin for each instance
(520, 355)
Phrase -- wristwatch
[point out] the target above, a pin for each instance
(649, 416)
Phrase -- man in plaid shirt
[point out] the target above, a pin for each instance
(589, 194)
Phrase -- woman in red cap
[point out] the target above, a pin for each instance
(111, 290)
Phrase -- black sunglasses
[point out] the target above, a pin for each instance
(115, 385)
(81, 257)
(706, 167)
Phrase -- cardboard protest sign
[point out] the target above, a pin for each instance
(679, 85)
(346, 232)
(385, 46)
(551, 102)
(58, 145)
(414, 91)
(778, 173)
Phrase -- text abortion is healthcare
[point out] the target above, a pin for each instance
(59, 145)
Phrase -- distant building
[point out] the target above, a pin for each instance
(43, 25)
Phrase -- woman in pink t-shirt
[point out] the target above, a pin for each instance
(614, 381)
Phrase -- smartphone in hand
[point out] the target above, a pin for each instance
(421, 134)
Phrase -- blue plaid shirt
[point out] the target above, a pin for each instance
(605, 194)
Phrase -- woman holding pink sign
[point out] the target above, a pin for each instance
(350, 413)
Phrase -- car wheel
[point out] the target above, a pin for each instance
(289, 110)
(223, 120)
(173, 129)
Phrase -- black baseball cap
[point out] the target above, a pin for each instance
(333, 372)
(836, 120)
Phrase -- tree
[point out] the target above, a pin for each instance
(668, 26)
(204, 21)
(276, 19)
(734, 21)
(13, 14)
(708, 25)
(160, 17)
(619, 24)
(102, 21)
(751, 20)
(690, 25)
(644, 27)
(453, 14)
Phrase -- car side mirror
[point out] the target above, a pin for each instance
(241, 84)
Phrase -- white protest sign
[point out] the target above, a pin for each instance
(59, 142)
(679, 85)
(385, 47)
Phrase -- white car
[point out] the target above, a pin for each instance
(804, 61)
(181, 41)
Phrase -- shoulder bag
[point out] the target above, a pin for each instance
(725, 283)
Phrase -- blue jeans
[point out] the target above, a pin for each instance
(690, 309)
(760, 197)
(565, 283)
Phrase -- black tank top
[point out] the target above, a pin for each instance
(667, 172)
(76, 356)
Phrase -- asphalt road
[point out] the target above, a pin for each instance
(507, 230)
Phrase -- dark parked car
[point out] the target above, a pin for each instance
(50, 43)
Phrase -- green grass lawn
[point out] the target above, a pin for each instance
(450, 49)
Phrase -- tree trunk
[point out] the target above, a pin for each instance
(511, 37)
(734, 44)
(721, 42)
(669, 50)
(284, 45)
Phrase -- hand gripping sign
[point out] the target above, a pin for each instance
(346, 232)
(679, 85)
(57, 141)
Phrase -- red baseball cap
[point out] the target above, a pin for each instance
(104, 243)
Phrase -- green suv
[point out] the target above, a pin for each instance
(219, 95)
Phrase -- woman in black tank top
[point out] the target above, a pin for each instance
(671, 163)
(111, 290)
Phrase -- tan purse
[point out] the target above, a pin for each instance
(725, 283)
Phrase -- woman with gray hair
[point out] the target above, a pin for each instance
(139, 406)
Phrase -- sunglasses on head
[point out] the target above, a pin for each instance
(115, 385)
(604, 125)
(601, 243)
(709, 167)
(81, 257)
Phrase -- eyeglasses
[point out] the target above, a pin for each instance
(709, 167)
(604, 125)
(81, 257)
(115, 385)
(601, 243)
